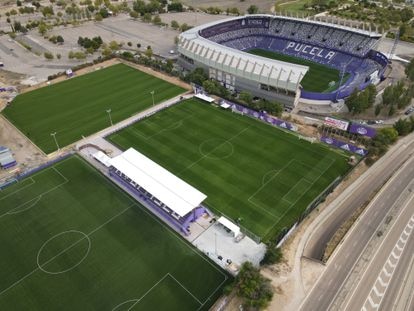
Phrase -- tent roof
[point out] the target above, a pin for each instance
(228, 224)
(178, 195)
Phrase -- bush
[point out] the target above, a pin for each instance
(273, 255)
(48, 55)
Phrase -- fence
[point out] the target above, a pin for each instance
(286, 232)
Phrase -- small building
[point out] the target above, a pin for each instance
(168, 196)
(6, 158)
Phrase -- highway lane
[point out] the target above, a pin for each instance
(378, 287)
(379, 174)
(323, 296)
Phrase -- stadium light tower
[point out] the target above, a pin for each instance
(152, 95)
(54, 138)
(109, 114)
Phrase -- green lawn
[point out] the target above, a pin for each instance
(71, 240)
(318, 77)
(78, 106)
(248, 169)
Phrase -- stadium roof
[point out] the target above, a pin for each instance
(253, 67)
(260, 69)
(179, 196)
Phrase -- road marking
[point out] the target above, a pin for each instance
(380, 287)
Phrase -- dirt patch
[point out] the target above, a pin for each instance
(10, 78)
(79, 72)
(24, 151)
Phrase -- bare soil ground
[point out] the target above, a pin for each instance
(24, 151)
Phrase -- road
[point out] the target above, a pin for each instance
(317, 242)
(381, 282)
(348, 263)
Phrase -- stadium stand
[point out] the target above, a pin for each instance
(346, 49)
(167, 195)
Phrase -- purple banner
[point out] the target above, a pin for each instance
(362, 130)
(262, 116)
(343, 145)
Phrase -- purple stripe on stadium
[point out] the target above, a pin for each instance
(343, 145)
(362, 130)
(262, 116)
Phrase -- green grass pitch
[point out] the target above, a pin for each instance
(248, 169)
(71, 240)
(318, 77)
(78, 106)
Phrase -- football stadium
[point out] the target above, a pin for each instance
(283, 58)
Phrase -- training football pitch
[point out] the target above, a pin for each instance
(71, 240)
(318, 77)
(249, 170)
(78, 106)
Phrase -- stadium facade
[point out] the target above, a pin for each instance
(221, 49)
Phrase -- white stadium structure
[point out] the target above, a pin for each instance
(221, 49)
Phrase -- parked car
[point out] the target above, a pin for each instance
(409, 111)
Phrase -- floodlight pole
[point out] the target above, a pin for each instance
(152, 95)
(54, 137)
(109, 114)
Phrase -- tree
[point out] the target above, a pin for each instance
(273, 255)
(185, 27)
(146, 18)
(197, 76)
(246, 97)
(255, 289)
(59, 39)
(352, 101)
(377, 110)
(98, 17)
(42, 28)
(129, 43)
(18, 3)
(138, 45)
(148, 52)
(252, 9)
(175, 25)
(175, 7)
(403, 127)
(106, 52)
(156, 20)
(134, 14)
(409, 70)
(113, 45)
(48, 55)
(47, 11)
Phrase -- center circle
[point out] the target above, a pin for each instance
(63, 252)
(216, 148)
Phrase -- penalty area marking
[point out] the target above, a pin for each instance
(15, 210)
(138, 300)
(41, 265)
(18, 209)
(20, 189)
